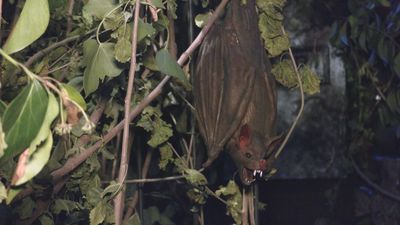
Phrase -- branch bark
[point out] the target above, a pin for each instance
(123, 168)
(75, 161)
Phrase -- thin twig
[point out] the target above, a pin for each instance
(132, 204)
(73, 162)
(123, 169)
(372, 184)
(301, 102)
(47, 50)
(69, 16)
(1, 18)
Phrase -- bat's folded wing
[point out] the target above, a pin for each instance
(222, 88)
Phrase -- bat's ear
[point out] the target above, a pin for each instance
(244, 136)
(275, 142)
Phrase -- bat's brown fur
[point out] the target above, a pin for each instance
(234, 92)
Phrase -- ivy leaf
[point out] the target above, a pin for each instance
(274, 40)
(170, 67)
(98, 213)
(24, 117)
(161, 133)
(74, 95)
(111, 190)
(234, 200)
(123, 50)
(195, 177)
(25, 209)
(201, 19)
(158, 4)
(151, 121)
(45, 219)
(310, 80)
(144, 30)
(31, 24)
(67, 206)
(166, 156)
(98, 8)
(99, 62)
(284, 74)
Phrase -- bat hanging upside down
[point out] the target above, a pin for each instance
(234, 92)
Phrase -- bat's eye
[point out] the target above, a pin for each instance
(248, 155)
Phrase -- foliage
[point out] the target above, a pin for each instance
(367, 39)
(52, 76)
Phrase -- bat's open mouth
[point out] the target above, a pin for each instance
(249, 176)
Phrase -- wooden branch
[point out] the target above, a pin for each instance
(38, 55)
(132, 204)
(73, 162)
(372, 184)
(123, 168)
(70, 10)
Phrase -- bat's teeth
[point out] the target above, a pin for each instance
(255, 173)
(261, 173)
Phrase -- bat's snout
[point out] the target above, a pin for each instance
(263, 164)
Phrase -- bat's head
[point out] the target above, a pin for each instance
(251, 153)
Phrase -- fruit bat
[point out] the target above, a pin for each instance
(234, 92)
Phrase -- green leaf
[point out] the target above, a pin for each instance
(3, 108)
(161, 133)
(170, 67)
(123, 50)
(99, 8)
(144, 30)
(25, 209)
(24, 117)
(396, 64)
(285, 74)
(37, 161)
(98, 213)
(201, 19)
(111, 190)
(45, 219)
(67, 206)
(310, 80)
(31, 24)
(195, 177)
(99, 62)
(158, 4)
(166, 156)
(151, 121)
(74, 95)
(12, 193)
(3, 143)
(133, 220)
(3, 192)
(234, 200)
(274, 40)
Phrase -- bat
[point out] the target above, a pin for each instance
(234, 93)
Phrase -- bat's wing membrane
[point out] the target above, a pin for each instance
(222, 89)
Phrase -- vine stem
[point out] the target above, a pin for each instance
(278, 152)
(123, 168)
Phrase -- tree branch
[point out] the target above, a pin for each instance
(75, 161)
(123, 168)
(69, 16)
